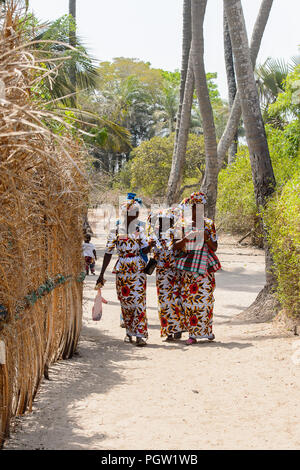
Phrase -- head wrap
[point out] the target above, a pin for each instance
(168, 213)
(131, 204)
(165, 214)
(195, 198)
(153, 218)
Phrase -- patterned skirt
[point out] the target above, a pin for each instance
(197, 303)
(131, 291)
(169, 304)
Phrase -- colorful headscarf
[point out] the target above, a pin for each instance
(153, 217)
(132, 203)
(168, 213)
(195, 198)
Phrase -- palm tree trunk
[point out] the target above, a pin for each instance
(186, 46)
(72, 39)
(235, 114)
(178, 160)
(210, 183)
(262, 170)
(230, 81)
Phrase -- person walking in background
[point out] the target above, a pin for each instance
(167, 276)
(129, 239)
(90, 255)
(141, 226)
(197, 264)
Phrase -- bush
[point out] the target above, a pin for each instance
(282, 218)
(149, 167)
(236, 207)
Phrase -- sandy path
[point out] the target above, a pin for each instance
(242, 391)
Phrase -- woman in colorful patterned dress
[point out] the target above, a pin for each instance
(197, 265)
(129, 239)
(167, 277)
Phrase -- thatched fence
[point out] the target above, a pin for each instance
(42, 200)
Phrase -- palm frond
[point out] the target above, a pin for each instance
(53, 40)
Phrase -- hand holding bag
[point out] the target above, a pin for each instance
(150, 266)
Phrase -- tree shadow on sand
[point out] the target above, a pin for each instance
(239, 280)
(96, 368)
(219, 344)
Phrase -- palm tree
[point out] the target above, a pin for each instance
(53, 42)
(262, 171)
(210, 182)
(165, 116)
(230, 81)
(187, 86)
(186, 46)
(178, 159)
(72, 38)
(235, 114)
(270, 79)
(72, 8)
(232, 123)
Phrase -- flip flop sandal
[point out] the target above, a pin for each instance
(140, 342)
(177, 335)
(128, 339)
(191, 341)
(169, 338)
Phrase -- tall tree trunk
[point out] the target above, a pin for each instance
(178, 160)
(262, 171)
(210, 183)
(230, 81)
(72, 39)
(186, 46)
(235, 114)
(72, 12)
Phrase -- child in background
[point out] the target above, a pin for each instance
(89, 253)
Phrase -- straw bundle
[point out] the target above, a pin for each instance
(42, 202)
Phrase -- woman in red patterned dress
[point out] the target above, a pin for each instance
(129, 240)
(167, 277)
(197, 264)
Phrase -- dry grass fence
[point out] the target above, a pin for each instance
(42, 201)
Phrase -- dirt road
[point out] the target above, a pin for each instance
(239, 392)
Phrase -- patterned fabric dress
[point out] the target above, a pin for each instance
(168, 289)
(197, 295)
(130, 279)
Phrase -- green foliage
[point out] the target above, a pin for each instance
(213, 89)
(145, 100)
(127, 91)
(164, 116)
(148, 170)
(74, 70)
(236, 206)
(219, 107)
(283, 221)
(270, 78)
(284, 151)
(288, 102)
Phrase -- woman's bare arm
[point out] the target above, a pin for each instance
(106, 261)
(148, 248)
(180, 244)
(212, 245)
